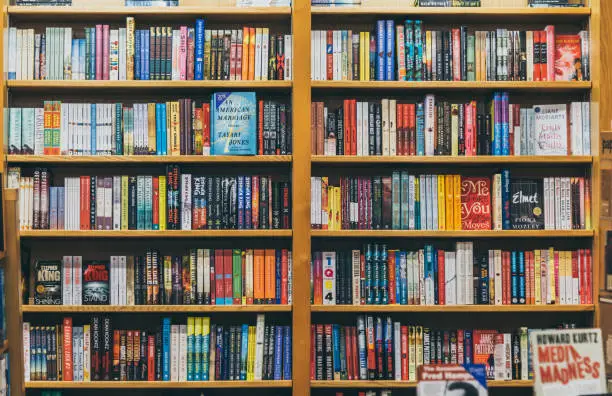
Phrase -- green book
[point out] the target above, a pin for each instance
(236, 277)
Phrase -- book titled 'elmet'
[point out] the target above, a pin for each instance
(234, 123)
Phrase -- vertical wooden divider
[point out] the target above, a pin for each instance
(301, 197)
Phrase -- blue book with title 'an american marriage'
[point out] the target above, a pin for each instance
(234, 123)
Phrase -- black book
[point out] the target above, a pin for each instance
(276, 206)
(232, 353)
(185, 280)
(232, 203)
(226, 352)
(107, 347)
(447, 48)
(487, 134)
(483, 277)
(339, 279)
(214, 45)
(96, 347)
(225, 48)
(274, 117)
(92, 202)
(286, 205)
(282, 128)
(526, 204)
(440, 56)
(264, 201)
(158, 356)
(266, 356)
(142, 372)
(340, 131)
(378, 127)
(217, 203)
(47, 282)
(516, 356)
(464, 41)
(328, 352)
(96, 279)
(272, 58)
(280, 57)
(461, 120)
(177, 297)
(318, 345)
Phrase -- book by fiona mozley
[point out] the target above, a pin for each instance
(234, 123)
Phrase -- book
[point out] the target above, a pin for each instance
(526, 205)
(568, 58)
(233, 130)
(96, 289)
(47, 282)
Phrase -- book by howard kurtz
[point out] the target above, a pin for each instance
(234, 123)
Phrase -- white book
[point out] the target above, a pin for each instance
(12, 53)
(576, 128)
(288, 75)
(557, 212)
(469, 262)
(546, 187)
(336, 55)
(392, 127)
(182, 375)
(460, 273)
(508, 356)
(86, 353)
(186, 201)
(586, 128)
(176, 43)
(529, 39)
(365, 128)
(122, 53)
(499, 286)
(397, 349)
(359, 126)
(39, 129)
(30, 202)
(313, 55)
(259, 346)
(67, 280)
(20, 55)
(114, 280)
(429, 108)
(499, 358)
(423, 201)
(122, 280)
(550, 129)
(116, 191)
(114, 55)
(67, 48)
(329, 278)
(450, 281)
(356, 265)
(77, 279)
(174, 352)
(26, 351)
(289, 278)
(258, 54)
(265, 40)
(323, 57)
(385, 126)
(249, 276)
(411, 201)
(30, 55)
(207, 272)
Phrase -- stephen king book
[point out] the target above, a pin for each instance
(48, 283)
(568, 58)
(96, 289)
(526, 204)
(475, 203)
(234, 123)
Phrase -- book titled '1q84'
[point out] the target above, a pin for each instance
(234, 123)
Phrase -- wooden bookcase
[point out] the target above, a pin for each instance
(300, 17)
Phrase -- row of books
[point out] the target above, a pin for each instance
(202, 277)
(173, 201)
(152, 53)
(380, 348)
(196, 350)
(182, 127)
(436, 126)
(405, 201)
(414, 3)
(377, 275)
(409, 52)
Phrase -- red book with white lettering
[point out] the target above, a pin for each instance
(68, 363)
(219, 284)
(330, 55)
(349, 352)
(151, 358)
(456, 40)
(404, 354)
(589, 277)
(475, 203)
(391, 275)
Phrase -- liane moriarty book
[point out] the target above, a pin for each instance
(234, 123)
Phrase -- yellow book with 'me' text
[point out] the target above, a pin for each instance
(367, 55)
(361, 56)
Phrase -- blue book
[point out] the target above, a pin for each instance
(409, 49)
(60, 208)
(287, 353)
(376, 278)
(219, 351)
(403, 279)
(383, 285)
(247, 202)
(143, 57)
(92, 53)
(197, 354)
(166, 349)
(147, 53)
(514, 278)
(137, 46)
(278, 278)
(505, 109)
(435, 274)
(82, 57)
(118, 132)
(140, 203)
(521, 274)
(418, 51)
(53, 207)
(233, 123)
(398, 274)
(390, 51)
(467, 347)
(75, 59)
(33, 347)
(368, 271)
(93, 130)
(380, 50)
(428, 270)
(505, 196)
(206, 350)
(336, 350)
(241, 181)
(420, 129)
(243, 352)
(278, 352)
(158, 125)
(199, 50)
(164, 129)
(497, 125)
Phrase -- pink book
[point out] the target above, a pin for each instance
(589, 277)
(550, 52)
(106, 52)
(581, 276)
(233, 48)
(557, 293)
(581, 195)
(183, 54)
(469, 131)
(99, 40)
(239, 56)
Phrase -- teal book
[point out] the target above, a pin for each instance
(234, 123)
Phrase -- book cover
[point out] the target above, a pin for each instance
(526, 205)
(96, 290)
(568, 58)
(475, 203)
(550, 129)
(484, 348)
(48, 283)
(233, 123)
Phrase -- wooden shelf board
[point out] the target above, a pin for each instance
(156, 234)
(473, 11)
(452, 308)
(446, 159)
(145, 159)
(455, 85)
(454, 234)
(405, 384)
(4, 347)
(138, 84)
(74, 12)
(155, 384)
(154, 308)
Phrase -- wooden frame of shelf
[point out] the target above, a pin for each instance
(452, 308)
(156, 384)
(142, 85)
(146, 159)
(457, 85)
(377, 384)
(454, 234)
(157, 234)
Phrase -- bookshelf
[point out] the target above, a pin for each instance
(301, 16)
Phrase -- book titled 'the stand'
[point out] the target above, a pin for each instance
(234, 123)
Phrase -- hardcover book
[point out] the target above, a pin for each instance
(484, 348)
(526, 205)
(550, 130)
(568, 58)
(475, 203)
(234, 123)
(48, 283)
(96, 289)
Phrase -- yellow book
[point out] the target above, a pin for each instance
(338, 205)
(411, 353)
(190, 340)
(175, 129)
(206, 348)
(86, 352)
(324, 203)
(162, 203)
(124, 202)
(361, 56)
(197, 333)
(367, 55)
(152, 147)
(441, 204)
(251, 355)
(537, 277)
(552, 284)
(457, 201)
(129, 61)
(449, 193)
(330, 207)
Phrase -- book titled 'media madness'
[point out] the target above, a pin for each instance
(234, 116)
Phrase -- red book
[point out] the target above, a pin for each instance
(239, 58)
(156, 203)
(233, 51)
(151, 358)
(456, 42)
(536, 55)
(404, 355)
(190, 54)
(475, 203)
(474, 122)
(346, 109)
(330, 55)
(355, 352)
(575, 265)
(568, 56)
(507, 277)
(543, 56)
(353, 104)
(227, 275)
(370, 344)
(284, 276)
(85, 209)
(399, 123)
(469, 131)
(206, 128)
(260, 113)
(484, 348)
(391, 275)
(589, 277)
(349, 352)
(441, 279)
(549, 36)
(460, 348)
(527, 280)
(219, 283)
(105, 52)
(67, 369)
(412, 130)
(99, 40)
(313, 355)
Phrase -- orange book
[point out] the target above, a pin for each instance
(270, 274)
(67, 360)
(258, 276)
(56, 128)
(255, 202)
(450, 203)
(245, 52)
(457, 201)
(48, 127)
(251, 54)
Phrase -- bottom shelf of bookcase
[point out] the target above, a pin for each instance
(155, 384)
(407, 384)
